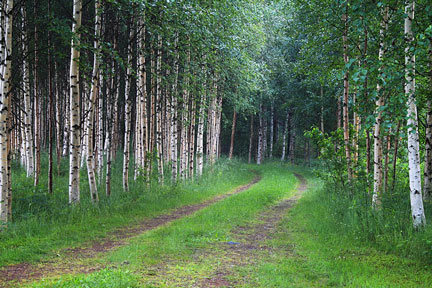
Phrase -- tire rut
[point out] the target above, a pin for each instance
(71, 262)
(252, 239)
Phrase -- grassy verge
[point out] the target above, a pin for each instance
(165, 257)
(44, 224)
(312, 252)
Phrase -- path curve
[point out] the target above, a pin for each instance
(248, 249)
(17, 273)
(252, 241)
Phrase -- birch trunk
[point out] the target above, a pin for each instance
(58, 111)
(5, 108)
(292, 144)
(233, 134)
(142, 115)
(395, 154)
(427, 186)
(174, 115)
(94, 93)
(417, 210)
(128, 111)
(218, 126)
(378, 168)
(284, 138)
(51, 118)
(159, 112)
(386, 163)
(27, 101)
(271, 129)
(75, 127)
(37, 138)
(66, 130)
(100, 132)
(200, 135)
(322, 109)
(346, 96)
(251, 139)
(260, 137)
(192, 138)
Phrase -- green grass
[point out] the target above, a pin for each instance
(107, 278)
(310, 248)
(178, 244)
(312, 252)
(44, 224)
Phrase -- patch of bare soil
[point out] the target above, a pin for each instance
(71, 262)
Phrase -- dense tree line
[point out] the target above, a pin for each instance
(148, 78)
(373, 61)
(174, 84)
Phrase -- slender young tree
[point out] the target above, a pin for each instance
(284, 138)
(378, 150)
(94, 93)
(234, 121)
(346, 93)
(427, 186)
(27, 99)
(75, 119)
(128, 109)
(260, 137)
(251, 134)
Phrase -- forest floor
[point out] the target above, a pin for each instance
(263, 234)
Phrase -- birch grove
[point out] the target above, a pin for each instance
(154, 92)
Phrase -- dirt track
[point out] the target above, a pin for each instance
(71, 261)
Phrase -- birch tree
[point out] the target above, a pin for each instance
(75, 119)
(128, 110)
(378, 168)
(417, 210)
(5, 108)
(94, 93)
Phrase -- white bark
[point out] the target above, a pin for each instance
(260, 137)
(427, 188)
(29, 159)
(284, 138)
(75, 128)
(5, 107)
(346, 96)
(417, 210)
(292, 142)
(159, 112)
(378, 166)
(128, 112)
(174, 106)
(94, 93)
(271, 129)
(200, 135)
(251, 139)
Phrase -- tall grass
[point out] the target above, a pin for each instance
(349, 212)
(43, 223)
